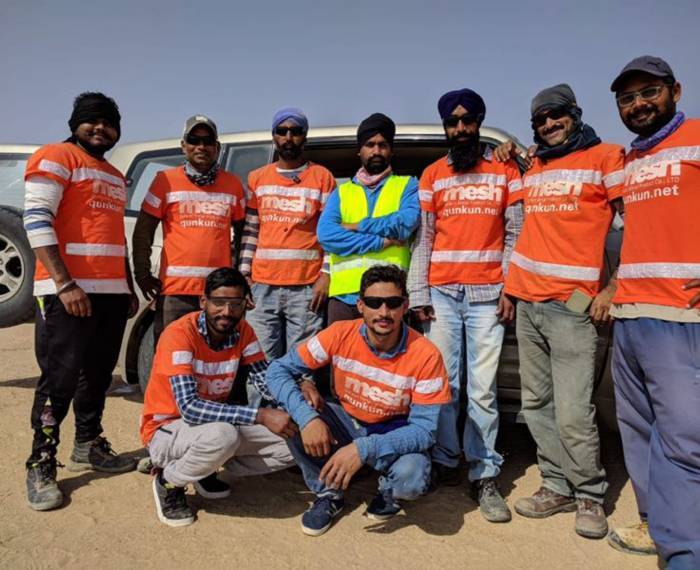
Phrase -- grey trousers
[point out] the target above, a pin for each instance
(557, 349)
(189, 453)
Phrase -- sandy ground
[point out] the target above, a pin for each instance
(110, 522)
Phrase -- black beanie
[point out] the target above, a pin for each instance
(90, 106)
(376, 124)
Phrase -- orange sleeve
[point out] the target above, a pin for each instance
(613, 168)
(238, 210)
(174, 354)
(319, 349)
(154, 200)
(251, 199)
(432, 385)
(51, 161)
(251, 351)
(425, 190)
(514, 182)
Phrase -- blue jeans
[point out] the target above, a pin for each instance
(656, 369)
(281, 319)
(457, 320)
(403, 476)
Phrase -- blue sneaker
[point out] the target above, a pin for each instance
(383, 507)
(319, 517)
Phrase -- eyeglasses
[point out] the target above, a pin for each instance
(232, 303)
(194, 140)
(453, 120)
(377, 302)
(296, 131)
(646, 94)
(554, 114)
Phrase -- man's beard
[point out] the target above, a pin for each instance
(96, 149)
(290, 151)
(376, 165)
(657, 122)
(215, 324)
(464, 152)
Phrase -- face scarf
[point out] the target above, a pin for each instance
(643, 144)
(583, 136)
(199, 178)
(371, 180)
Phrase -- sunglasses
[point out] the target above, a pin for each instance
(646, 94)
(232, 303)
(554, 114)
(453, 120)
(194, 140)
(377, 302)
(296, 131)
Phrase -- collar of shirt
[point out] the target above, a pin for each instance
(399, 348)
(487, 155)
(202, 327)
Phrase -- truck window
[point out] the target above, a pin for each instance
(12, 168)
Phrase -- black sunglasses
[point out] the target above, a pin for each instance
(453, 120)
(194, 140)
(377, 302)
(296, 131)
(554, 114)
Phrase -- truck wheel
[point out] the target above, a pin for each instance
(145, 358)
(16, 270)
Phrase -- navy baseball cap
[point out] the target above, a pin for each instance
(645, 64)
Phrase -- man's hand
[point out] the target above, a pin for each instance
(150, 286)
(507, 150)
(76, 302)
(133, 306)
(317, 438)
(424, 314)
(693, 284)
(277, 421)
(339, 469)
(600, 307)
(249, 302)
(312, 395)
(388, 242)
(505, 309)
(319, 292)
(350, 227)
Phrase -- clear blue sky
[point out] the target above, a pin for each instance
(340, 61)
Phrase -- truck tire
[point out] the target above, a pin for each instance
(145, 357)
(16, 270)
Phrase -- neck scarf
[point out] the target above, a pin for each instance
(371, 180)
(582, 137)
(201, 179)
(642, 144)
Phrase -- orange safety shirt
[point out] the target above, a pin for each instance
(373, 389)
(288, 251)
(469, 222)
(567, 217)
(662, 200)
(89, 222)
(196, 226)
(182, 350)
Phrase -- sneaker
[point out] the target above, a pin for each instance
(383, 507)
(319, 516)
(43, 493)
(99, 456)
(634, 539)
(492, 505)
(590, 519)
(171, 503)
(544, 503)
(445, 476)
(212, 487)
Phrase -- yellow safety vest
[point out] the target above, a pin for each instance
(347, 270)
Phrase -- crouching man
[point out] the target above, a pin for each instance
(188, 426)
(390, 383)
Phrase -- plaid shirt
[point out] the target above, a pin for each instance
(195, 410)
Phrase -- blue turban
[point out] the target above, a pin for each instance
(469, 99)
(290, 113)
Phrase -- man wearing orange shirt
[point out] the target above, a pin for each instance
(197, 203)
(555, 274)
(390, 383)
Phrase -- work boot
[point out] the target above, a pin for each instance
(43, 493)
(212, 487)
(171, 503)
(492, 505)
(383, 507)
(99, 456)
(590, 519)
(634, 539)
(544, 503)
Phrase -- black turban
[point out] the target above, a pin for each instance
(557, 96)
(376, 124)
(469, 99)
(88, 107)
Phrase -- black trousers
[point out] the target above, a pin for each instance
(169, 308)
(77, 356)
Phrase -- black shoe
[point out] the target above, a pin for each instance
(43, 493)
(445, 476)
(492, 505)
(171, 503)
(383, 507)
(98, 455)
(212, 487)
